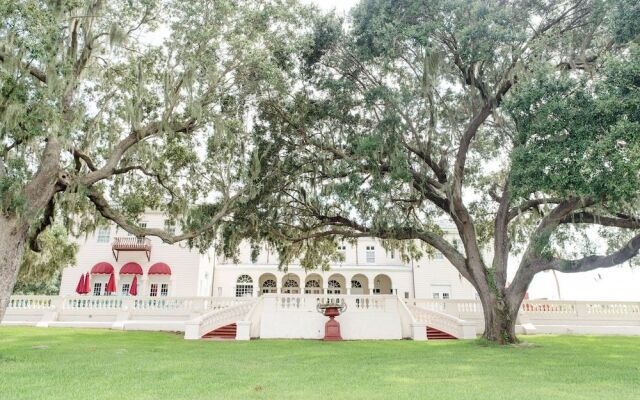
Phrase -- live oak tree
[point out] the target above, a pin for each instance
(517, 122)
(108, 108)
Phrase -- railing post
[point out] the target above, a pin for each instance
(419, 331)
(581, 309)
(124, 312)
(50, 314)
(243, 330)
(192, 330)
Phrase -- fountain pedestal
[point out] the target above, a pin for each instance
(332, 327)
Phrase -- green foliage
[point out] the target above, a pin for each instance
(577, 137)
(40, 272)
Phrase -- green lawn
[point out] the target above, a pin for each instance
(99, 364)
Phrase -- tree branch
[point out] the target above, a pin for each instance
(33, 71)
(109, 213)
(47, 219)
(628, 251)
(590, 218)
(529, 204)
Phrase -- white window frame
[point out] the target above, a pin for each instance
(103, 235)
(334, 287)
(244, 286)
(97, 288)
(125, 289)
(441, 291)
(370, 254)
(164, 289)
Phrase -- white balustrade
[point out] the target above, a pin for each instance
(217, 318)
(444, 322)
(354, 303)
(27, 302)
(171, 313)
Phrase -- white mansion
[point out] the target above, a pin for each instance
(177, 271)
(207, 297)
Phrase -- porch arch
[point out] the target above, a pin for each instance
(268, 283)
(359, 284)
(336, 284)
(313, 284)
(382, 284)
(291, 283)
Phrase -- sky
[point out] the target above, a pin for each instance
(341, 6)
(620, 283)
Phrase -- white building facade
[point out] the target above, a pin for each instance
(177, 271)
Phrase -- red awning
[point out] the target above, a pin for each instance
(102, 268)
(131, 268)
(160, 269)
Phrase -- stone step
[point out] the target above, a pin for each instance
(436, 334)
(224, 332)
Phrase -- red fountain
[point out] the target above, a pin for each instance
(332, 327)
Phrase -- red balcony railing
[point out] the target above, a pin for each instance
(131, 243)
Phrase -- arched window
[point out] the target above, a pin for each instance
(291, 283)
(312, 286)
(269, 286)
(244, 286)
(356, 284)
(334, 287)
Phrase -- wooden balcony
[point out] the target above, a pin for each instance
(131, 243)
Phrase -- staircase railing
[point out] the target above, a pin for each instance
(214, 319)
(444, 322)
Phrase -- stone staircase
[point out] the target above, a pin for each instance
(228, 323)
(227, 332)
(436, 334)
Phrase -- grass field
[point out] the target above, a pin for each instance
(99, 364)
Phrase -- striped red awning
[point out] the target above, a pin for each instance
(131, 268)
(102, 268)
(160, 269)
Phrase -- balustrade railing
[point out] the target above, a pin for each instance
(438, 320)
(125, 303)
(217, 318)
(131, 243)
(466, 309)
(354, 303)
(32, 302)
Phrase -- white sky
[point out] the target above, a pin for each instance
(340, 6)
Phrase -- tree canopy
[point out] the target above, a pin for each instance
(109, 108)
(515, 122)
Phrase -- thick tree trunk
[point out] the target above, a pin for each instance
(13, 236)
(499, 320)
